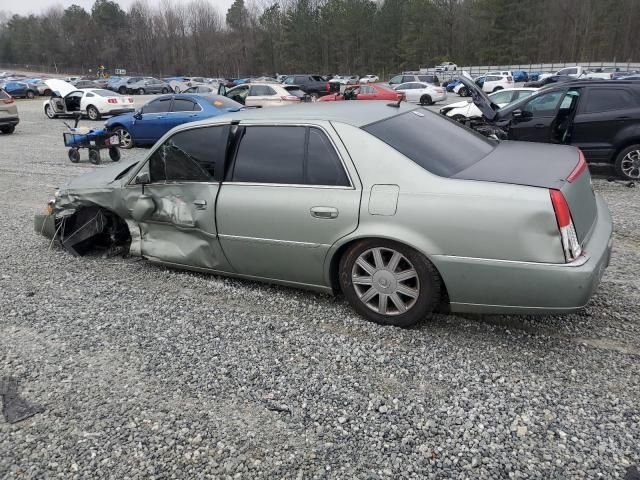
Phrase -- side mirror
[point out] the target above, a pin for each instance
(142, 178)
(138, 115)
(517, 114)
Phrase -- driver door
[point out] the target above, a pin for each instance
(153, 115)
(175, 205)
(537, 118)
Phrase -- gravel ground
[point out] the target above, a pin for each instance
(146, 372)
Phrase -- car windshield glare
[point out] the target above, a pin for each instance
(219, 101)
(438, 144)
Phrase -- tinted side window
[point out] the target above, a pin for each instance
(270, 155)
(323, 165)
(408, 78)
(261, 90)
(157, 106)
(396, 79)
(300, 79)
(191, 155)
(183, 105)
(544, 105)
(602, 100)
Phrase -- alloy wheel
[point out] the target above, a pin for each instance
(125, 138)
(385, 281)
(630, 164)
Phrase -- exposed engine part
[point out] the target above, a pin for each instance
(481, 126)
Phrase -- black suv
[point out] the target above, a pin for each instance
(313, 85)
(601, 117)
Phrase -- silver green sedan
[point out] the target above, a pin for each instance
(400, 209)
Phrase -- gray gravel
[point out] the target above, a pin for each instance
(146, 372)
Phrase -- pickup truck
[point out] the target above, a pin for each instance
(605, 73)
(313, 85)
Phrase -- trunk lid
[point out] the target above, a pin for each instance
(544, 166)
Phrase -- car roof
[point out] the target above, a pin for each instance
(358, 115)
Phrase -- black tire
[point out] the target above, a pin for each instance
(426, 100)
(114, 154)
(627, 163)
(126, 140)
(47, 93)
(8, 130)
(463, 92)
(122, 90)
(30, 94)
(48, 111)
(74, 155)
(93, 113)
(141, 91)
(94, 156)
(165, 90)
(427, 283)
(314, 97)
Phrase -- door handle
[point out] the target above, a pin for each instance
(539, 125)
(324, 212)
(200, 204)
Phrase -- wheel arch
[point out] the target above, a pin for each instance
(626, 142)
(332, 263)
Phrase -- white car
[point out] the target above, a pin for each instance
(369, 79)
(446, 67)
(575, 72)
(92, 102)
(345, 80)
(422, 92)
(493, 83)
(467, 109)
(188, 82)
(264, 94)
(605, 73)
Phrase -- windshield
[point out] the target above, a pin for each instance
(439, 145)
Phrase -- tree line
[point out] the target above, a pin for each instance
(320, 36)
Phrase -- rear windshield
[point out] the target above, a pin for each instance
(105, 93)
(439, 145)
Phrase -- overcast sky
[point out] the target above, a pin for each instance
(37, 6)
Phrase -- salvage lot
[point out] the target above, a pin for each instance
(148, 372)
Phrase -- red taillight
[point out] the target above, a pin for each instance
(112, 100)
(580, 168)
(568, 237)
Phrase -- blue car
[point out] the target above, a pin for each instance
(451, 85)
(20, 89)
(148, 124)
(520, 76)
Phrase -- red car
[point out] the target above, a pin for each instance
(364, 92)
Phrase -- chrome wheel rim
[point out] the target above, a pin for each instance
(125, 138)
(385, 281)
(93, 114)
(630, 164)
(48, 111)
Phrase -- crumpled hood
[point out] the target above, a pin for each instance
(100, 177)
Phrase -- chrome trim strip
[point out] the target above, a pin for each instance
(294, 185)
(283, 243)
(578, 262)
(520, 307)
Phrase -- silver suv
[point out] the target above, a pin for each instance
(8, 113)
(410, 77)
(148, 85)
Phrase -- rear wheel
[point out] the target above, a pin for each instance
(126, 140)
(74, 155)
(122, 90)
(628, 163)
(8, 129)
(30, 94)
(93, 113)
(426, 100)
(141, 91)
(463, 92)
(94, 156)
(165, 90)
(314, 97)
(389, 283)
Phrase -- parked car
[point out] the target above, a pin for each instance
(9, 117)
(201, 89)
(600, 117)
(631, 77)
(575, 72)
(452, 85)
(313, 85)
(549, 80)
(413, 221)
(181, 84)
(604, 73)
(261, 94)
(95, 103)
(494, 83)
(405, 78)
(120, 84)
(624, 74)
(148, 124)
(42, 88)
(364, 92)
(462, 90)
(369, 79)
(446, 67)
(148, 85)
(345, 80)
(20, 89)
(421, 92)
(520, 76)
(467, 109)
(85, 84)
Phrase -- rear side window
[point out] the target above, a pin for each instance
(261, 90)
(605, 99)
(544, 105)
(183, 105)
(195, 155)
(287, 155)
(426, 78)
(436, 143)
(300, 79)
(157, 106)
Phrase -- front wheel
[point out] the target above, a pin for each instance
(8, 130)
(426, 100)
(48, 111)
(165, 90)
(628, 163)
(463, 92)
(93, 113)
(126, 140)
(30, 94)
(122, 90)
(141, 91)
(389, 283)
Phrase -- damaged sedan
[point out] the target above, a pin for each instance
(354, 198)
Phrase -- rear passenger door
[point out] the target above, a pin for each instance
(261, 96)
(183, 110)
(286, 199)
(602, 114)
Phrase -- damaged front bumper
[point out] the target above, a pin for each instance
(45, 224)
